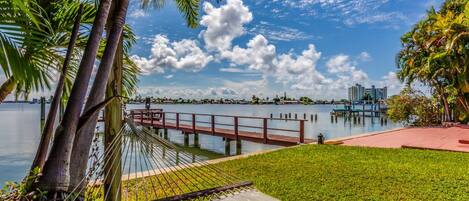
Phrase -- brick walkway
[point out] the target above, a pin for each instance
(423, 138)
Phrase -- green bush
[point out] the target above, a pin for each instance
(412, 108)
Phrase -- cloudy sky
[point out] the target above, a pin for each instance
(316, 48)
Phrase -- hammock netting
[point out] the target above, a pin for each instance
(139, 164)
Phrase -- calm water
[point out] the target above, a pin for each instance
(20, 125)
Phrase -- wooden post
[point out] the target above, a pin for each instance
(238, 147)
(236, 127)
(151, 118)
(177, 120)
(227, 147)
(302, 131)
(265, 131)
(193, 123)
(196, 140)
(141, 117)
(132, 114)
(164, 119)
(213, 124)
(186, 139)
(43, 108)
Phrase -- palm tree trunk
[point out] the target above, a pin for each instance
(446, 109)
(112, 125)
(46, 136)
(56, 173)
(7, 87)
(82, 143)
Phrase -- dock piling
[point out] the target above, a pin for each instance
(43, 108)
(196, 140)
(238, 147)
(227, 146)
(186, 139)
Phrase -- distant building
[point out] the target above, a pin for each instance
(358, 93)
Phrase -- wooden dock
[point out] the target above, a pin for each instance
(159, 119)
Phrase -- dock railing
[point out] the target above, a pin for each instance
(231, 122)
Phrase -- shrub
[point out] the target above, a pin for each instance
(412, 108)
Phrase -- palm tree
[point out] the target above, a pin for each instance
(22, 60)
(80, 153)
(43, 30)
(56, 169)
(435, 52)
(64, 19)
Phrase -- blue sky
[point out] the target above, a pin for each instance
(315, 48)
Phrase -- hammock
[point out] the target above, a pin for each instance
(141, 165)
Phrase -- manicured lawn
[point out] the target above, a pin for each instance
(329, 172)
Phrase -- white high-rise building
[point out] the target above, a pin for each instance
(358, 93)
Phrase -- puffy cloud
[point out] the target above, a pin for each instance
(300, 71)
(185, 92)
(180, 55)
(224, 23)
(259, 54)
(391, 81)
(339, 64)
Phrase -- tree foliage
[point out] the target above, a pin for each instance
(436, 53)
(34, 36)
(412, 107)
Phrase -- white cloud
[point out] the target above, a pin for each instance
(223, 24)
(259, 54)
(364, 56)
(186, 92)
(177, 55)
(296, 72)
(339, 64)
(350, 12)
(391, 81)
(169, 76)
(137, 13)
(279, 33)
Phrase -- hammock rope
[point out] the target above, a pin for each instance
(145, 166)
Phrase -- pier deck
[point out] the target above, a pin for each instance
(267, 135)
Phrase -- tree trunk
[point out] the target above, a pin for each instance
(446, 109)
(7, 87)
(46, 136)
(56, 173)
(112, 124)
(83, 141)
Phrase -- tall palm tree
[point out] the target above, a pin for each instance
(56, 174)
(82, 144)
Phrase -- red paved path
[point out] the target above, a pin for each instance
(429, 138)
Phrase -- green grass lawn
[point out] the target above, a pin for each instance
(329, 172)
